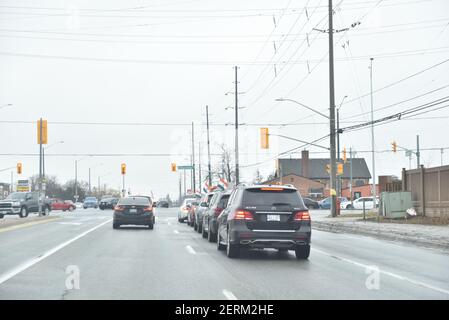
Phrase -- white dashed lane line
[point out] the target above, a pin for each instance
(229, 295)
(190, 249)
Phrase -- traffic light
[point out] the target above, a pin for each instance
(123, 168)
(173, 167)
(339, 168)
(19, 168)
(328, 168)
(264, 141)
(394, 146)
(42, 139)
(344, 155)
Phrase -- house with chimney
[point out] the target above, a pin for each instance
(310, 177)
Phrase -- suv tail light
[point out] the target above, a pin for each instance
(119, 208)
(242, 215)
(302, 216)
(217, 211)
(148, 209)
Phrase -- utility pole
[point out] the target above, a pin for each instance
(12, 182)
(40, 168)
(418, 154)
(180, 189)
(333, 175)
(76, 180)
(237, 170)
(193, 158)
(90, 190)
(442, 151)
(208, 148)
(185, 189)
(372, 135)
(199, 166)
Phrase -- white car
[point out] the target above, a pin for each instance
(79, 205)
(368, 201)
(185, 208)
(346, 204)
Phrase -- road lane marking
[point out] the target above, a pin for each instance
(229, 295)
(190, 249)
(391, 274)
(71, 223)
(28, 224)
(11, 273)
(176, 231)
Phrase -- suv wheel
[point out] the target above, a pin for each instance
(200, 228)
(115, 225)
(151, 226)
(302, 252)
(195, 226)
(23, 212)
(211, 237)
(204, 233)
(232, 250)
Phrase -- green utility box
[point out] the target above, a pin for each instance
(395, 204)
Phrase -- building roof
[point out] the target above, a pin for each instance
(317, 168)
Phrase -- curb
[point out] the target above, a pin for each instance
(341, 228)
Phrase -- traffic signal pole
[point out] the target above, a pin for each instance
(333, 166)
(237, 170)
(40, 168)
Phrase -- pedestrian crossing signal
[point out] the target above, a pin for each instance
(173, 167)
(123, 168)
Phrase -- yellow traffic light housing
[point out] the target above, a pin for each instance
(42, 127)
(394, 146)
(123, 168)
(264, 140)
(173, 167)
(19, 168)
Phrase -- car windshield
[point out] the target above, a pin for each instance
(90, 199)
(16, 196)
(137, 201)
(260, 197)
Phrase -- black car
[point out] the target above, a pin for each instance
(108, 203)
(265, 216)
(217, 204)
(162, 204)
(311, 204)
(135, 211)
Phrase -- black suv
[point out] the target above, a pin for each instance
(23, 203)
(108, 203)
(265, 216)
(216, 205)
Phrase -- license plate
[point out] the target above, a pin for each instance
(273, 217)
(132, 210)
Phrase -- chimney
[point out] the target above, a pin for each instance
(305, 163)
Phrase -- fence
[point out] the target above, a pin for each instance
(430, 190)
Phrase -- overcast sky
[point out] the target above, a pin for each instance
(140, 63)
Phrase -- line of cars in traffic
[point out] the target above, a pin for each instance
(251, 216)
(345, 203)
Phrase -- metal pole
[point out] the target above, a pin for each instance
(237, 170)
(333, 175)
(180, 189)
(185, 183)
(40, 168)
(208, 148)
(193, 158)
(442, 151)
(90, 190)
(338, 152)
(199, 166)
(76, 180)
(12, 182)
(350, 175)
(99, 186)
(372, 135)
(124, 190)
(418, 154)
(43, 163)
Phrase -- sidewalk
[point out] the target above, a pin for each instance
(436, 237)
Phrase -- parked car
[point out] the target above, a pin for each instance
(191, 214)
(185, 208)
(311, 204)
(23, 203)
(217, 204)
(326, 203)
(64, 205)
(108, 203)
(265, 217)
(368, 201)
(90, 202)
(78, 205)
(202, 207)
(133, 211)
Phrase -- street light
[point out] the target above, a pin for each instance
(90, 192)
(76, 176)
(99, 184)
(303, 105)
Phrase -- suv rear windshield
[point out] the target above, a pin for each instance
(259, 197)
(134, 201)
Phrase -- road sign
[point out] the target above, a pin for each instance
(185, 167)
(23, 186)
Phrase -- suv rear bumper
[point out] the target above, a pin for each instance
(142, 219)
(278, 239)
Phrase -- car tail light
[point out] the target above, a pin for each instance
(242, 215)
(217, 211)
(302, 216)
(119, 208)
(148, 209)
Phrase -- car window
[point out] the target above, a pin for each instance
(260, 197)
(134, 201)
(223, 202)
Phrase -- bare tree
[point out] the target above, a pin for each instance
(225, 168)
